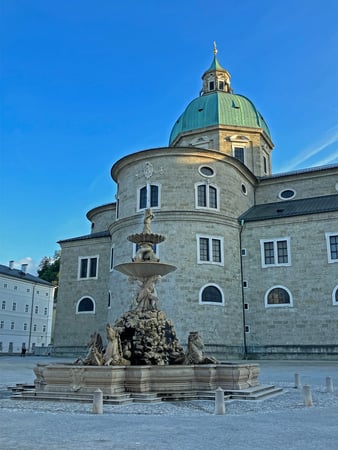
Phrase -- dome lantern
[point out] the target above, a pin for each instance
(216, 78)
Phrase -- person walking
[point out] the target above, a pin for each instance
(23, 350)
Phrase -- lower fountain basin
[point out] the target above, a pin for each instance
(145, 269)
(73, 379)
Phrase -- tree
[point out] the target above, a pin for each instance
(49, 269)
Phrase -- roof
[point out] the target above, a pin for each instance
(19, 274)
(290, 208)
(99, 234)
(219, 108)
(215, 65)
(299, 172)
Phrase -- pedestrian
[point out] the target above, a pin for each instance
(23, 350)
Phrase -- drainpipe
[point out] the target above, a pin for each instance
(242, 288)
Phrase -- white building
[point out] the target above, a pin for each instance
(26, 310)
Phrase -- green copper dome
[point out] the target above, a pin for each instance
(218, 105)
(218, 108)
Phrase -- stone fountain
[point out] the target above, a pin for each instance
(143, 358)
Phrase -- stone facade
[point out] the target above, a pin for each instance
(207, 191)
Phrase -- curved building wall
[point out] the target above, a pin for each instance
(177, 172)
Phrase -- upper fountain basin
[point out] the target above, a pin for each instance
(145, 269)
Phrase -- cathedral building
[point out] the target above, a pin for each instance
(256, 253)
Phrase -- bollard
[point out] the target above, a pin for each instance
(307, 395)
(98, 402)
(329, 385)
(219, 401)
(298, 384)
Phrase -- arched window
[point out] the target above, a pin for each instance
(278, 296)
(206, 196)
(335, 295)
(85, 305)
(211, 294)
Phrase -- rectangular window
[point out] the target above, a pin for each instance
(45, 311)
(112, 258)
(36, 309)
(275, 252)
(210, 250)
(202, 195)
(212, 197)
(211, 85)
(204, 249)
(12, 325)
(153, 196)
(44, 328)
(265, 166)
(26, 308)
(88, 267)
(14, 306)
(221, 85)
(92, 267)
(24, 327)
(34, 328)
(332, 247)
(3, 305)
(2, 324)
(239, 153)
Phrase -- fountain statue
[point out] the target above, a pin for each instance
(143, 354)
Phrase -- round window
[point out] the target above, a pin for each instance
(206, 171)
(287, 194)
(244, 189)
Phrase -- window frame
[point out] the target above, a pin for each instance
(207, 189)
(211, 303)
(278, 305)
(210, 239)
(275, 251)
(280, 194)
(88, 258)
(239, 146)
(158, 185)
(328, 247)
(85, 312)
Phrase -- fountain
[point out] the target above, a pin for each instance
(143, 358)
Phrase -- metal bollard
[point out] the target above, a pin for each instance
(98, 402)
(219, 401)
(298, 384)
(329, 385)
(307, 395)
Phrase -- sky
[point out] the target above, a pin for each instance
(84, 83)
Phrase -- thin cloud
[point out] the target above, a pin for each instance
(330, 138)
(330, 159)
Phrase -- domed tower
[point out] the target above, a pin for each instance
(220, 120)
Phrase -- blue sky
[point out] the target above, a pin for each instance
(84, 83)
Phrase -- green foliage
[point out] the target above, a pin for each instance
(49, 269)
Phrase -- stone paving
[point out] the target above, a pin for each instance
(276, 423)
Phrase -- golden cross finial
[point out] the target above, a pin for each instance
(215, 49)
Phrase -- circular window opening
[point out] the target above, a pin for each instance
(244, 189)
(206, 171)
(287, 194)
